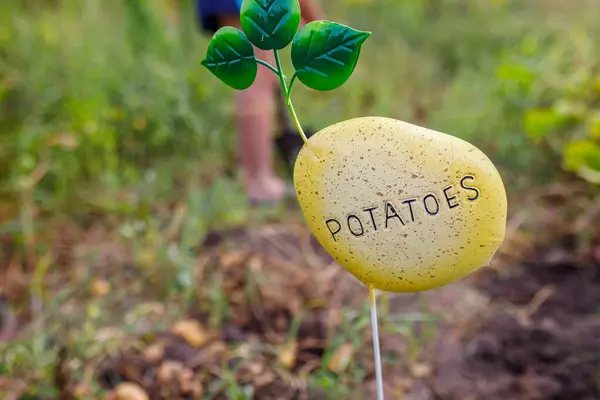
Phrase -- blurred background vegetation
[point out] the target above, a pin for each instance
(112, 132)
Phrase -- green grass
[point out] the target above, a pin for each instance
(112, 134)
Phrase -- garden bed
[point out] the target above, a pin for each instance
(541, 341)
(532, 331)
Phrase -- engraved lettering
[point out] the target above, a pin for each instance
(339, 227)
(431, 205)
(409, 202)
(362, 229)
(437, 204)
(449, 199)
(389, 207)
(471, 188)
(370, 210)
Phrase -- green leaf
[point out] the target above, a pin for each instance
(582, 153)
(594, 126)
(540, 122)
(230, 57)
(270, 24)
(570, 109)
(325, 54)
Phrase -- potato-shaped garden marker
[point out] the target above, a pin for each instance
(403, 208)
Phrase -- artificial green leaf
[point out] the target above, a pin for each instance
(325, 53)
(270, 24)
(230, 57)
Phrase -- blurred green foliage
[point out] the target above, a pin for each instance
(104, 95)
(480, 70)
(553, 82)
(106, 114)
(99, 98)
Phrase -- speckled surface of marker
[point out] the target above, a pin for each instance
(401, 207)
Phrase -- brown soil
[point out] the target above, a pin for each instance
(275, 277)
(528, 332)
(541, 341)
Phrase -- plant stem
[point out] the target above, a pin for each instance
(289, 93)
(287, 96)
(266, 64)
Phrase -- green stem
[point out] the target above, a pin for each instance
(287, 96)
(289, 93)
(266, 64)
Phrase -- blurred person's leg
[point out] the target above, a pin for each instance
(254, 115)
(255, 106)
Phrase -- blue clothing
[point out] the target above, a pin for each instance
(209, 11)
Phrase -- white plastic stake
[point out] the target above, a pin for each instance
(376, 351)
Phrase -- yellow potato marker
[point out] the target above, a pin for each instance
(401, 207)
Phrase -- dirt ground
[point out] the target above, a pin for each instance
(541, 339)
(274, 279)
(275, 318)
(528, 330)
